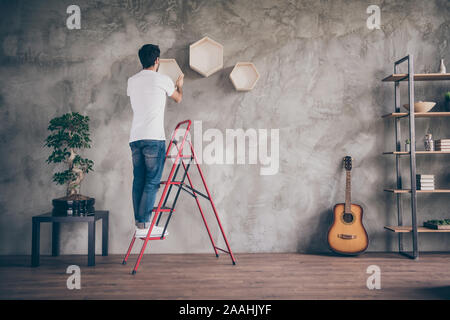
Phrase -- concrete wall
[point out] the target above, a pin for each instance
(320, 85)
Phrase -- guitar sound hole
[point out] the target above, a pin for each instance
(348, 217)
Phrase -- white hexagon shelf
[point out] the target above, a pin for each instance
(170, 68)
(244, 76)
(206, 56)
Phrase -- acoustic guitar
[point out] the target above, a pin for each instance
(347, 234)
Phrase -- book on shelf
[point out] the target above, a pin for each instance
(420, 187)
(425, 188)
(424, 176)
(425, 184)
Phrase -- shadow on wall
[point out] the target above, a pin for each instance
(222, 77)
(319, 226)
(225, 83)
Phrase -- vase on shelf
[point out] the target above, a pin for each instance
(442, 68)
(428, 142)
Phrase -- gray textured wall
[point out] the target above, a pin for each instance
(321, 71)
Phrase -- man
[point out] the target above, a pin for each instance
(147, 91)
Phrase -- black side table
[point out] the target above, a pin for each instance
(56, 220)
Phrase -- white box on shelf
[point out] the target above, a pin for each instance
(170, 68)
(244, 76)
(206, 56)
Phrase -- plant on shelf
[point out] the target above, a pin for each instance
(407, 145)
(69, 134)
(442, 222)
(447, 98)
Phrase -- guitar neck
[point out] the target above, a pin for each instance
(348, 193)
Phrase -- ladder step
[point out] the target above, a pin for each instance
(171, 182)
(181, 157)
(156, 233)
(163, 209)
(153, 238)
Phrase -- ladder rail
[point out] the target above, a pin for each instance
(212, 204)
(174, 203)
(172, 140)
(168, 193)
(129, 249)
(201, 211)
(179, 183)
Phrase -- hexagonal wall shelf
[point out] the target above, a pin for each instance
(244, 76)
(206, 56)
(170, 68)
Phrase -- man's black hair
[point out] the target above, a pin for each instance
(148, 54)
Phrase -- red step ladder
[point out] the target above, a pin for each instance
(184, 161)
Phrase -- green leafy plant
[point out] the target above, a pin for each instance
(69, 133)
(443, 222)
(447, 97)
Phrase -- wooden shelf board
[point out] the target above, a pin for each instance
(417, 152)
(432, 152)
(398, 229)
(397, 152)
(417, 77)
(417, 114)
(418, 191)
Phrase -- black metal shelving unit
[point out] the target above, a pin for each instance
(410, 77)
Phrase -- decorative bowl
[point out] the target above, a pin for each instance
(421, 106)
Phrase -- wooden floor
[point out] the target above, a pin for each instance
(203, 276)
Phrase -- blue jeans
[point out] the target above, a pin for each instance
(148, 163)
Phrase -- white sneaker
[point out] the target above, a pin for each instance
(156, 232)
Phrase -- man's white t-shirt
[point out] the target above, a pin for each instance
(147, 91)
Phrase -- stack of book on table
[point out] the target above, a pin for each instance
(442, 145)
(425, 181)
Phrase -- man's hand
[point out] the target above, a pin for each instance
(178, 93)
(180, 81)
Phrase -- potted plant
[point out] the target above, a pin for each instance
(69, 134)
(447, 98)
(442, 224)
(408, 145)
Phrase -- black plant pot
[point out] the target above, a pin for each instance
(73, 205)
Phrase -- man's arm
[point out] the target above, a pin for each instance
(177, 95)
